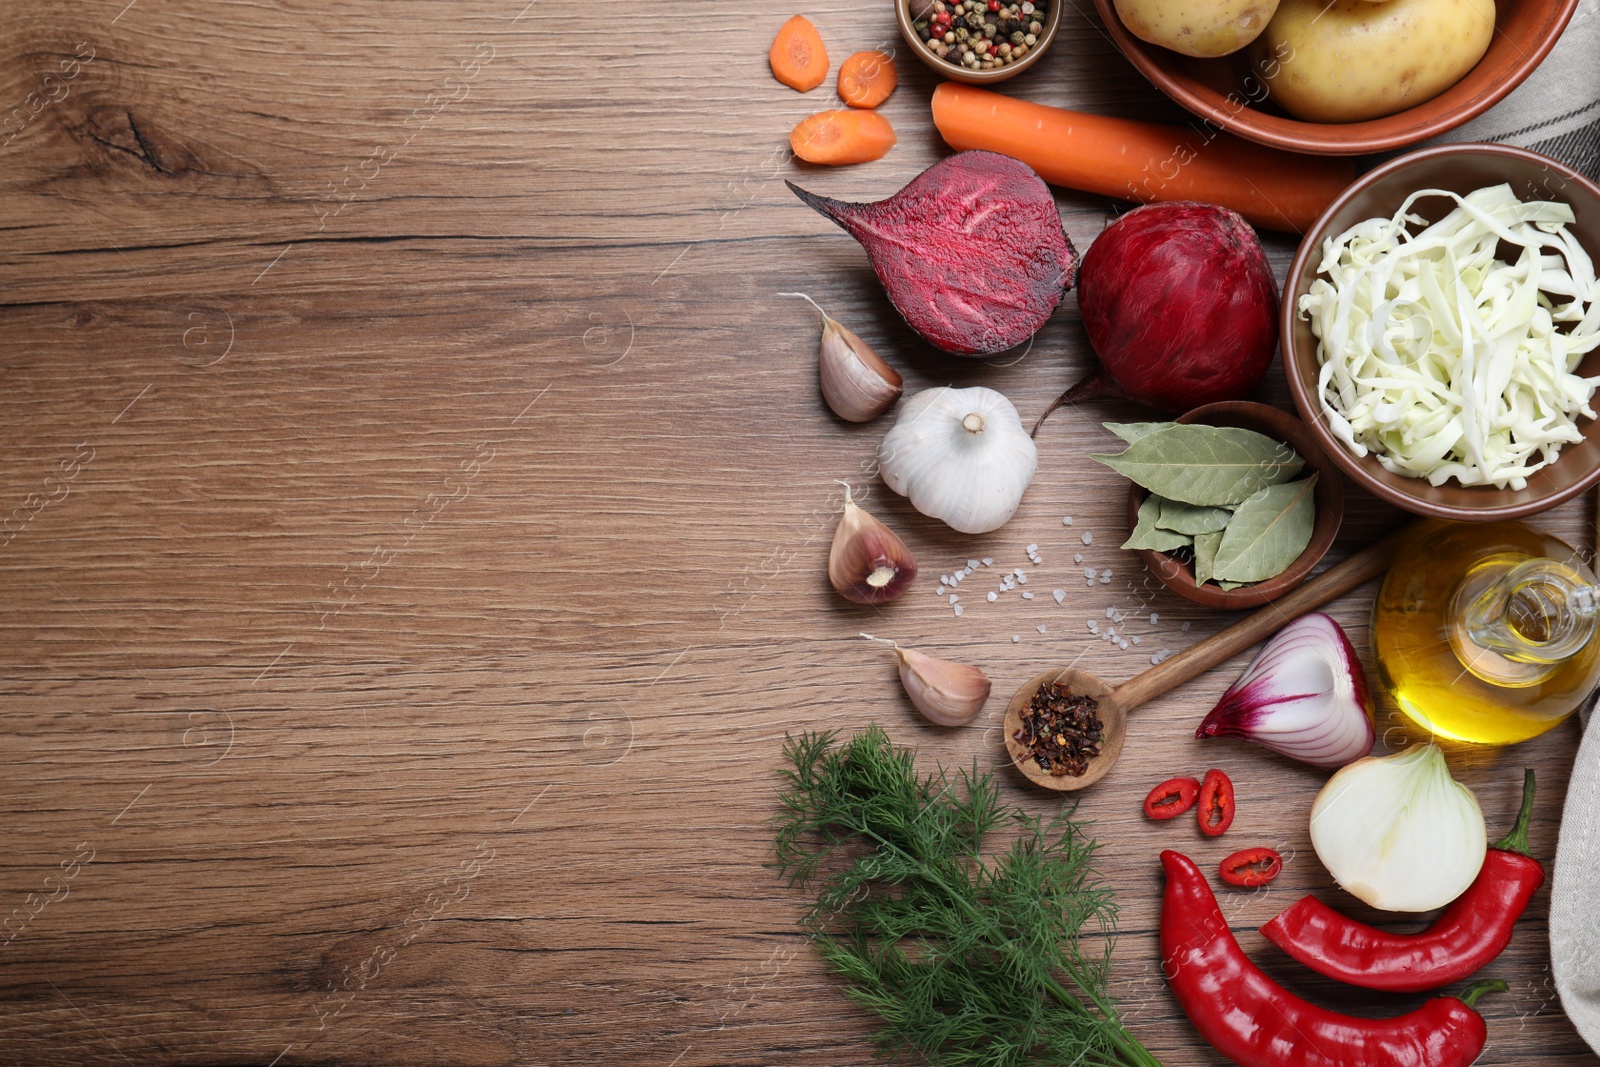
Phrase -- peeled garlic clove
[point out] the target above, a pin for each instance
(960, 455)
(857, 384)
(947, 694)
(1304, 696)
(868, 563)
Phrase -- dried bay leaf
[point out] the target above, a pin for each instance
(1132, 431)
(1192, 518)
(1207, 465)
(1205, 555)
(1268, 532)
(1147, 535)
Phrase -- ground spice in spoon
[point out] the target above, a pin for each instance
(1060, 731)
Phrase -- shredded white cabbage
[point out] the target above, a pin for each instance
(1442, 360)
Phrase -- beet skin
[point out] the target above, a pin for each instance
(972, 252)
(1180, 305)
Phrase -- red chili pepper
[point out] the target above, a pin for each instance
(1473, 930)
(1171, 798)
(1216, 804)
(1251, 867)
(1255, 1022)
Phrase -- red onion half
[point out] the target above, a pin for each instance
(1304, 696)
(1180, 305)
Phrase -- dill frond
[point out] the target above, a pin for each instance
(968, 960)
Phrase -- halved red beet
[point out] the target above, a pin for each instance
(972, 252)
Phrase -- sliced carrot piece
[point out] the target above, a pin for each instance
(866, 79)
(842, 136)
(797, 55)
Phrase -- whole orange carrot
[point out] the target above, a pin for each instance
(1142, 161)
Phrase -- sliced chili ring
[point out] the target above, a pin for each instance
(1251, 867)
(1216, 804)
(1171, 798)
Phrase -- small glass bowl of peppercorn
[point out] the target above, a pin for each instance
(978, 41)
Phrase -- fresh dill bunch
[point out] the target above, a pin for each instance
(967, 960)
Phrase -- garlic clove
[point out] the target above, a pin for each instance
(947, 694)
(857, 384)
(868, 563)
(1304, 696)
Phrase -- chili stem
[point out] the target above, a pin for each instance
(1517, 840)
(1469, 996)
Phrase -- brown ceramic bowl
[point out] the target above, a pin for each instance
(1227, 93)
(956, 72)
(1459, 169)
(1280, 426)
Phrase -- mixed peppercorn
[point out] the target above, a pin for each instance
(981, 34)
(1060, 730)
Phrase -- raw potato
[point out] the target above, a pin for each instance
(1351, 60)
(1197, 27)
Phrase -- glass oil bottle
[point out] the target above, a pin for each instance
(1486, 632)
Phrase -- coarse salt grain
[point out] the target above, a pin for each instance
(958, 609)
(1033, 548)
(1123, 644)
(1066, 520)
(1088, 538)
(1094, 627)
(1015, 638)
(1088, 572)
(993, 596)
(1134, 639)
(1159, 656)
(954, 598)
(1027, 596)
(1077, 557)
(1111, 613)
(1040, 627)
(1060, 595)
(1022, 579)
(972, 565)
(1154, 618)
(987, 560)
(1185, 626)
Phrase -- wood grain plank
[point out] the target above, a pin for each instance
(404, 670)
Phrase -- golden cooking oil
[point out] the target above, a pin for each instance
(1486, 632)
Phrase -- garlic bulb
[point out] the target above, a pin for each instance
(947, 694)
(867, 563)
(1304, 696)
(960, 455)
(856, 382)
(1398, 832)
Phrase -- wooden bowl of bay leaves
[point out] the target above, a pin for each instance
(1262, 511)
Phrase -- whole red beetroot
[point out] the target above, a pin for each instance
(1180, 305)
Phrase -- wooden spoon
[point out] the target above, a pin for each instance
(1115, 704)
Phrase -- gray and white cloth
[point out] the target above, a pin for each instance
(1557, 112)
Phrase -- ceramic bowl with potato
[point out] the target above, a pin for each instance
(1345, 77)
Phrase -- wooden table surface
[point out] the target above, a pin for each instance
(419, 499)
